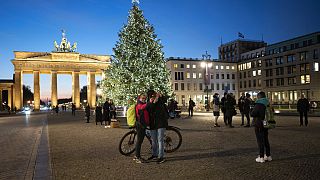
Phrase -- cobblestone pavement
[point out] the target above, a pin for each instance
(82, 150)
(19, 141)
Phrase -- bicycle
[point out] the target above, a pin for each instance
(172, 140)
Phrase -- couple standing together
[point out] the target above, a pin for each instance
(151, 113)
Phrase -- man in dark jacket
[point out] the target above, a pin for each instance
(258, 114)
(241, 106)
(246, 109)
(87, 110)
(303, 107)
(158, 123)
(191, 106)
(223, 108)
(106, 113)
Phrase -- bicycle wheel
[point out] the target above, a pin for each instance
(172, 139)
(127, 143)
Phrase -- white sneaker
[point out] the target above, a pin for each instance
(259, 160)
(267, 158)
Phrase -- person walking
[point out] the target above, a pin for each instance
(223, 108)
(230, 110)
(158, 123)
(73, 109)
(191, 106)
(216, 109)
(98, 114)
(246, 109)
(142, 122)
(241, 107)
(87, 111)
(57, 109)
(106, 113)
(258, 114)
(113, 112)
(303, 108)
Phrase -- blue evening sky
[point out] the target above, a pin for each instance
(187, 28)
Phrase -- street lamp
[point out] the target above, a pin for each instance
(206, 64)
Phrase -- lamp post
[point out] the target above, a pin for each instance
(206, 64)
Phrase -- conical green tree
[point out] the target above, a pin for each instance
(138, 64)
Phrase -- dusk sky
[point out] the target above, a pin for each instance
(187, 28)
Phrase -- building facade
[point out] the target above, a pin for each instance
(288, 69)
(195, 78)
(231, 51)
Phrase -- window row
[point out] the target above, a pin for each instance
(251, 83)
(254, 74)
(201, 86)
(304, 79)
(292, 58)
(180, 76)
(253, 55)
(194, 66)
(290, 47)
(249, 65)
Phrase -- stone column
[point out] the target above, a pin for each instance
(1, 108)
(91, 91)
(76, 89)
(18, 102)
(54, 94)
(36, 87)
(10, 97)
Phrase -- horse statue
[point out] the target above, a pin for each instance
(56, 45)
(74, 47)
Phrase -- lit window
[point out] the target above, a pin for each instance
(217, 67)
(194, 75)
(188, 66)
(254, 73)
(249, 65)
(200, 75)
(188, 75)
(221, 67)
(232, 67)
(316, 66)
(227, 67)
(194, 66)
(303, 81)
(175, 65)
(307, 79)
(259, 72)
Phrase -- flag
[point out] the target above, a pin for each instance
(240, 35)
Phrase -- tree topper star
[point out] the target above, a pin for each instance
(135, 1)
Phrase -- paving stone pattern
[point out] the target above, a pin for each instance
(82, 150)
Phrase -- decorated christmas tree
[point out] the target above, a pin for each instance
(138, 64)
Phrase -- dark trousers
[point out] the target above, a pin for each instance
(73, 112)
(305, 114)
(106, 118)
(225, 119)
(242, 118)
(88, 118)
(113, 114)
(141, 132)
(263, 141)
(229, 120)
(190, 111)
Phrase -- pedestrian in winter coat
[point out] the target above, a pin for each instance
(246, 109)
(73, 109)
(106, 113)
(87, 110)
(216, 109)
(303, 108)
(158, 123)
(258, 114)
(223, 109)
(99, 114)
(240, 105)
(191, 106)
(230, 110)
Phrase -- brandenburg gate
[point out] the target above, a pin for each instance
(63, 60)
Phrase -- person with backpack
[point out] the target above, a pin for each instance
(216, 109)
(192, 104)
(303, 108)
(259, 113)
(159, 116)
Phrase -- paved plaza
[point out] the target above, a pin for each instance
(79, 150)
